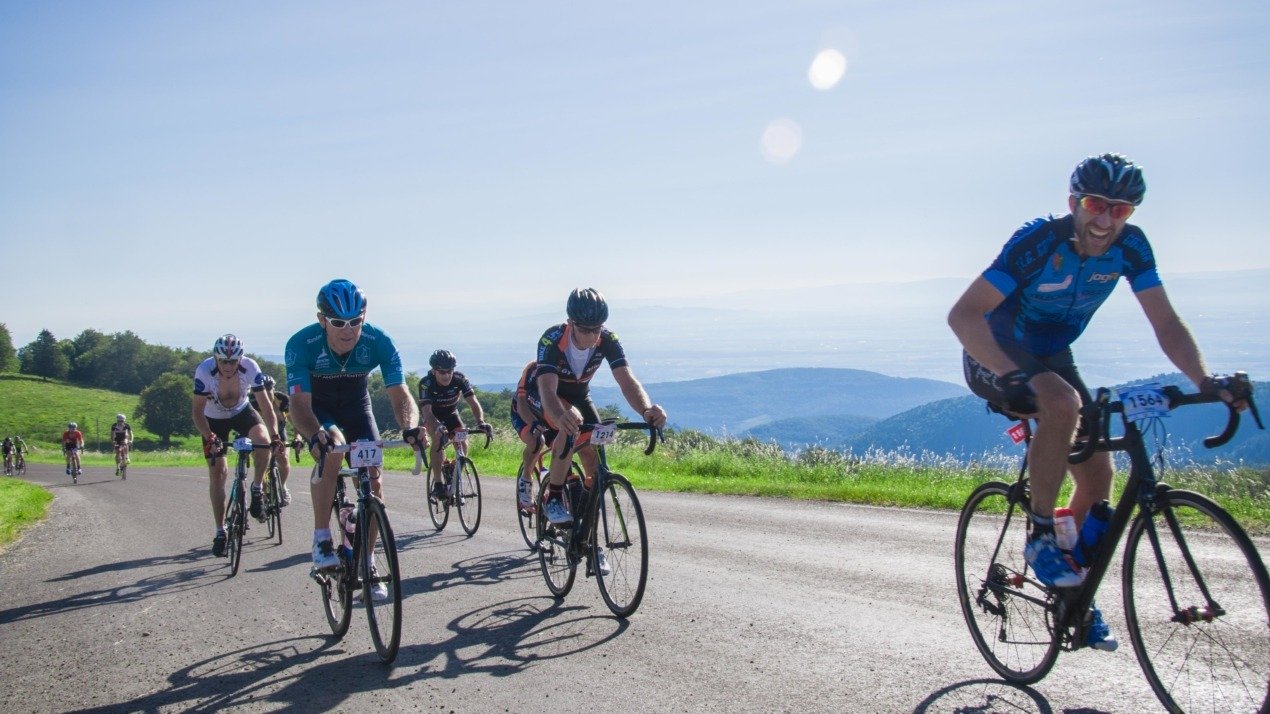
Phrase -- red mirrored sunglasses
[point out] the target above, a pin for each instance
(1097, 205)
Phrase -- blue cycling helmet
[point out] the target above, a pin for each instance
(1112, 176)
(587, 307)
(341, 299)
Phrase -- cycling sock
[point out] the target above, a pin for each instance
(1041, 526)
(220, 531)
(321, 535)
(554, 491)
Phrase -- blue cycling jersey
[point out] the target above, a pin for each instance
(1051, 292)
(338, 380)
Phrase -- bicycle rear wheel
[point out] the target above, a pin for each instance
(468, 495)
(438, 509)
(528, 517)
(337, 595)
(1198, 607)
(1006, 609)
(558, 568)
(383, 611)
(621, 538)
(235, 522)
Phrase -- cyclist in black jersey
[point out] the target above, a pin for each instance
(568, 356)
(282, 408)
(121, 435)
(439, 393)
(1018, 320)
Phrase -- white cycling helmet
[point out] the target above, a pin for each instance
(70, 425)
(120, 417)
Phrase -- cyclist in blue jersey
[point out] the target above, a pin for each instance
(1017, 322)
(328, 375)
(558, 393)
(439, 393)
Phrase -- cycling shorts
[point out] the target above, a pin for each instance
(120, 439)
(356, 420)
(449, 419)
(242, 422)
(519, 425)
(585, 406)
(985, 384)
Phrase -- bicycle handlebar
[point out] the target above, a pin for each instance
(391, 444)
(654, 434)
(1097, 413)
(485, 429)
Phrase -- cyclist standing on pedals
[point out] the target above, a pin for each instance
(121, 436)
(1017, 322)
(527, 429)
(328, 375)
(72, 444)
(559, 394)
(439, 393)
(222, 384)
(281, 407)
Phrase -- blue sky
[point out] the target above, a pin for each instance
(185, 169)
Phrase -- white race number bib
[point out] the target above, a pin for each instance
(366, 454)
(1144, 401)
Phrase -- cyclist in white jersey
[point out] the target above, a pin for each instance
(222, 384)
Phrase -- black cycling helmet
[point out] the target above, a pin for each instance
(341, 299)
(442, 359)
(587, 307)
(1112, 176)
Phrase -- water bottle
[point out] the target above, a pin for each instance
(348, 523)
(1065, 528)
(1091, 532)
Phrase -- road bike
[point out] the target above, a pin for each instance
(528, 516)
(236, 514)
(367, 551)
(462, 483)
(72, 463)
(607, 533)
(121, 463)
(1196, 592)
(8, 465)
(271, 498)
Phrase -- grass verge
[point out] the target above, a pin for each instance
(21, 505)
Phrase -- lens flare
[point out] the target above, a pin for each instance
(827, 69)
(781, 140)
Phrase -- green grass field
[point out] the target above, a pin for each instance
(21, 504)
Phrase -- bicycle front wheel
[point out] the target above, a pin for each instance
(1006, 610)
(1197, 601)
(558, 567)
(620, 546)
(528, 517)
(235, 523)
(337, 595)
(468, 495)
(273, 502)
(381, 581)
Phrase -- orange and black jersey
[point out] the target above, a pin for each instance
(526, 378)
(443, 399)
(573, 367)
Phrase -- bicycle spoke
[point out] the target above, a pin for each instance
(381, 582)
(621, 543)
(468, 495)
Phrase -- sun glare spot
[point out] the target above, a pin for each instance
(827, 69)
(781, 140)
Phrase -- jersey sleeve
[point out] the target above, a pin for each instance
(1023, 255)
(299, 374)
(611, 348)
(549, 354)
(202, 380)
(390, 362)
(425, 390)
(465, 387)
(1139, 261)
(255, 377)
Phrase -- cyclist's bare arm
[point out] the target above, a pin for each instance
(475, 405)
(971, 328)
(638, 398)
(564, 419)
(198, 403)
(403, 406)
(1174, 336)
(264, 405)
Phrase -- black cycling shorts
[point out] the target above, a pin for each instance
(985, 384)
(242, 422)
(356, 421)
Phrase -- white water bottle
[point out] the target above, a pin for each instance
(1065, 528)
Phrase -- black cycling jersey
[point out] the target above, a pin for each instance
(443, 399)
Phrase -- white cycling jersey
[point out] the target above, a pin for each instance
(227, 397)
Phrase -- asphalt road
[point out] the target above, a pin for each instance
(115, 603)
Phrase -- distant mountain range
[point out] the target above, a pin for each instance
(738, 403)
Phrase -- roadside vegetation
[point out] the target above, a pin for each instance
(688, 461)
(21, 505)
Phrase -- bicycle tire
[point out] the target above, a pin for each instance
(619, 528)
(1005, 609)
(438, 509)
(528, 517)
(559, 569)
(273, 502)
(468, 495)
(383, 616)
(1193, 660)
(234, 523)
(337, 593)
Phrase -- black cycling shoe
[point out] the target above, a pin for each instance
(218, 545)
(257, 507)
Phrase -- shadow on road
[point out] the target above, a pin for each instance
(188, 578)
(489, 569)
(989, 695)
